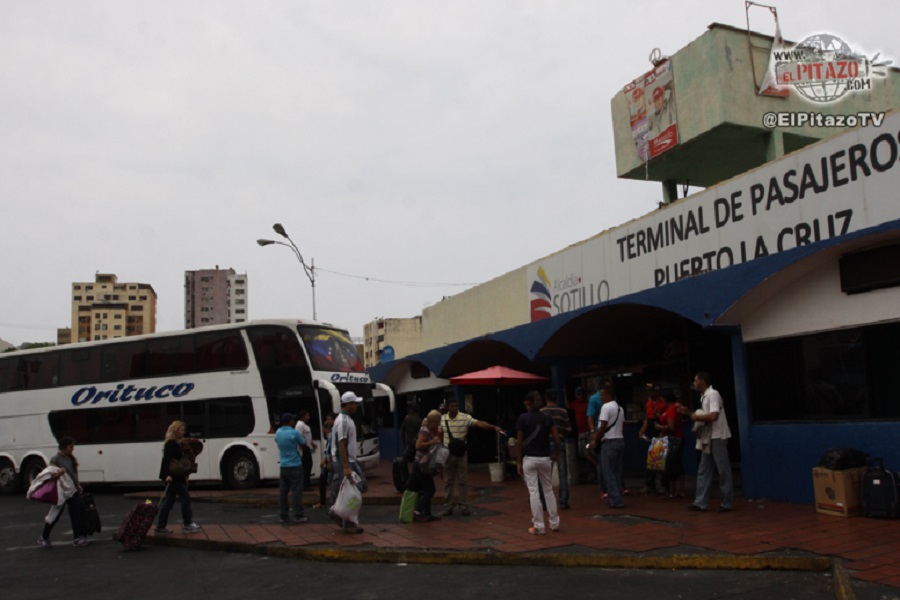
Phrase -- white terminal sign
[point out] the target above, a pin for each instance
(834, 188)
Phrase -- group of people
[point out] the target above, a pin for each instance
(600, 424)
(176, 447)
(540, 433)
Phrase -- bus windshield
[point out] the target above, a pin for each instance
(330, 350)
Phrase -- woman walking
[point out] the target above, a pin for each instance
(68, 465)
(176, 482)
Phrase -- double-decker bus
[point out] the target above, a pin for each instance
(228, 383)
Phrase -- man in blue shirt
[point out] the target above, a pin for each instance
(289, 442)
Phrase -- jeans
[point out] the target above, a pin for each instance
(180, 489)
(717, 459)
(612, 458)
(76, 512)
(290, 479)
(424, 484)
(562, 466)
(456, 471)
(537, 470)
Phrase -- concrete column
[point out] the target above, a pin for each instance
(744, 414)
(774, 145)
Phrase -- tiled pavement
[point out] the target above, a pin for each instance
(648, 527)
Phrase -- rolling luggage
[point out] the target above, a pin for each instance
(136, 525)
(91, 516)
(401, 473)
(880, 491)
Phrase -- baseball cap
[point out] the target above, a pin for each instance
(349, 397)
(287, 418)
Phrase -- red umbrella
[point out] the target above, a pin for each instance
(497, 376)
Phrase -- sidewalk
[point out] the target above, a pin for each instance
(650, 532)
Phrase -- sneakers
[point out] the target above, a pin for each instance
(81, 541)
(534, 531)
(351, 528)
(44, 543)
(695, 508)
(299, 520)
(192, 528)
(162, 531)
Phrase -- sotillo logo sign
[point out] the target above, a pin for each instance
(563, 294)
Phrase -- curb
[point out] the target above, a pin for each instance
(493, 558)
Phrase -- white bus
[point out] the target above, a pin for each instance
(228, 383)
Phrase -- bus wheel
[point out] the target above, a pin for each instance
(30, 470)
(241, 471)
(7, 477)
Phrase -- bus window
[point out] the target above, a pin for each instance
(282, 366)
(5, 370)
(170, 356)
(73, 423)
(194, 416)
(79, 367)
(221, 350)
(149, 423)
(112, 425)
(122, 361)
(35, 371)
(230, 417)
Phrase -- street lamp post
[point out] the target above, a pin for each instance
(309, 270)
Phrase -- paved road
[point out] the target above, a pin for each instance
(102, 570)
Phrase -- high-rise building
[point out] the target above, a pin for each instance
(214, 297)
(106, 309)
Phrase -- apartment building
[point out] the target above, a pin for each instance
(106, 309)
(214, 297)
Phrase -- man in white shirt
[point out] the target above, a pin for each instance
(302, 427)
(343, 454)
(713, 413)
(612, 446)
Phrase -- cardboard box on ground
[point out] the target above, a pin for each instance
(838, 493)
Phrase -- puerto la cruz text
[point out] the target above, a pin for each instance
(130, 393)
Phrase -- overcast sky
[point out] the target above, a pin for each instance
(418, 141)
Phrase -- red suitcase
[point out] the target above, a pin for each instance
(137, 523)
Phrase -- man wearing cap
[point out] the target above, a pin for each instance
(289, 442)
(343, 454)
(456, 470)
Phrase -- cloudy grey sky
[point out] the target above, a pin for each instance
(408, 140)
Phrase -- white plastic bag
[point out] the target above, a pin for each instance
(349, 500)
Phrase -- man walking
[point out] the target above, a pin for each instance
(533, 433)
(715, 455)
(289, 441)
(612, 446)
(343, 454)
(563, 426)
(455, 425)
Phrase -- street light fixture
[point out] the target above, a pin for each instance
(309, 270)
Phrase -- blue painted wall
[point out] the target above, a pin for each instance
(782, 456)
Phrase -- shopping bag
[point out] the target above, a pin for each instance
(46, 492)
(656, 455)
(349, 499)
(433, 462)
(408, 506)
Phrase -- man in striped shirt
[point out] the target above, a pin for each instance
(560, 418)
(456, 425)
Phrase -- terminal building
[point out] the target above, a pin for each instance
(780, 277)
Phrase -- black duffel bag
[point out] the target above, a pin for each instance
(839, 459)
